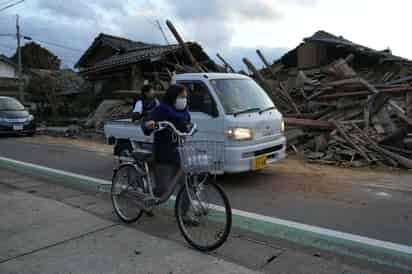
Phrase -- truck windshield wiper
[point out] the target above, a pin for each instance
(246, 111)
(267, 109)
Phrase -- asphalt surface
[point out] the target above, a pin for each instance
(369, 207)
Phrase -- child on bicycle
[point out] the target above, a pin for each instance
(173, 108)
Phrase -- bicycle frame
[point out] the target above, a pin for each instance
(145, 169)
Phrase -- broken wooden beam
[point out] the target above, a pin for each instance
(184, 46)
(283, 90)
(257, 75)
(317, 124)
(225, 62)
(266, 63)
(350, 141)
(363, 93)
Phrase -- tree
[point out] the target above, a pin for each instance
(47, 87)
(35, 56)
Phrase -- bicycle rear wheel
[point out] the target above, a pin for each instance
(206, 221)
(126, 185)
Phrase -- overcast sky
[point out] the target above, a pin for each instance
(234, 28)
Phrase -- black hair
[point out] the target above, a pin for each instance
(172, 93)
(146, 89)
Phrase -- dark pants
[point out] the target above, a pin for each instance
(164, 175)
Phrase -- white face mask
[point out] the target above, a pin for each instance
(181, 103)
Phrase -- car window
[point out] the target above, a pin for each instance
(240, 95)
(10, 104)
(199, 98)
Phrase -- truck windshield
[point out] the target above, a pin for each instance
(10, 104)
(241, 95)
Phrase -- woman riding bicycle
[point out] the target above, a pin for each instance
(173, 108)
(204, 219)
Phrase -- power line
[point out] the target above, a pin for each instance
(7, 35)
(12, 5)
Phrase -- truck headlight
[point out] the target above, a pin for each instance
(239, 134)
(282, 126)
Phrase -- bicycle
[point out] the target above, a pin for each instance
(209, 207)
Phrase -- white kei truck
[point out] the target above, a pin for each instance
(230, 108)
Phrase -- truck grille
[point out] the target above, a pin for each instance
(262, 151)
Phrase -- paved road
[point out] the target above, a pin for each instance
(376, 206)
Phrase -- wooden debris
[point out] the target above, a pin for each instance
(350, 141)
(317, 124)
(336, 114)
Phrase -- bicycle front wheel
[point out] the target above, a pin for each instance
(126, 185)
(205, 219)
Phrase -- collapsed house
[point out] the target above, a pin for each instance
(344, 103)
(116, 68)
(113, 63)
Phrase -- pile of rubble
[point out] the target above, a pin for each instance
(345, 113)
(350, 121)
(109, 110)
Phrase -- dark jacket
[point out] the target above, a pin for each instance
(165, 146)
(147, 107)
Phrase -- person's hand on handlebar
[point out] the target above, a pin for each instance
(150, 124)
(189, 127)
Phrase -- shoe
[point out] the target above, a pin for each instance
(149, 214)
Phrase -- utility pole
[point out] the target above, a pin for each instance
(21, 92)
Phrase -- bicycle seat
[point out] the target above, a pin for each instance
(142, 155)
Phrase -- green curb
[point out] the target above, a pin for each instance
(58, 176)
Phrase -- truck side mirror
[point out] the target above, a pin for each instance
(210, 107)
(214, 111)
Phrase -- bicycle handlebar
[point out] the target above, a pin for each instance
(167, 125)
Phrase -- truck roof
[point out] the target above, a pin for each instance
(199, 76)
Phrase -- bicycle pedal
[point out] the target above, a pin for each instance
(149, 202)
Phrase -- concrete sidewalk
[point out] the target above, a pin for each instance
(47, 228)
(40, 235)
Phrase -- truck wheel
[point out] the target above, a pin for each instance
(124, 150)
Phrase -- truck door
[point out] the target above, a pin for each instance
(203, 111)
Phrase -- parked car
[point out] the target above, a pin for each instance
(231, 108)
(14, 118)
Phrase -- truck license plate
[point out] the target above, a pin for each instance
(17, 127)
(259, 162)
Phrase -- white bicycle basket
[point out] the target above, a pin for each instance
(198, 157)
